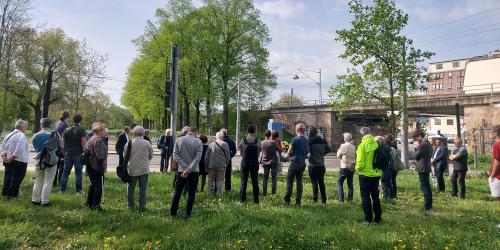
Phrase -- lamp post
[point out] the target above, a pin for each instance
(238, 115)
(303, 71)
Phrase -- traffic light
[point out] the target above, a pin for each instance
(168, 94)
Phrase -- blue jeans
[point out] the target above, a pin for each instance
(343, 175)
(387, 183)
(69, 161)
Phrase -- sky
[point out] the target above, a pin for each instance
(302, 32)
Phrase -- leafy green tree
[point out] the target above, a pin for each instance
(385, 62)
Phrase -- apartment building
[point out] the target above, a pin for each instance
(446, 77)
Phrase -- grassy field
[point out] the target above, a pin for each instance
(453, 224)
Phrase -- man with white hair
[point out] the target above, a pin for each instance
(299, 148)
(347, 156)
(14, 152)
(232, 152)
(216, 160)
(187, 153)
(141, 153)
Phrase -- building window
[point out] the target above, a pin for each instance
(462, 73)
(449, 122)
(437, 122)
(450, 75)
(440, 86)
(450, 85)
(460, 84)
(456, 64)
(439, 66)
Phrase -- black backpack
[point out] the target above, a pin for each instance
(122, 171)
(251, 154)
(381, 158)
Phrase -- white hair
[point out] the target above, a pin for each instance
(224, 131)
(184, 129)
(139, 131)
(168, 131)
(347, 137)
(365, 131)
(20, 124)
(219, 135)
(300, 127)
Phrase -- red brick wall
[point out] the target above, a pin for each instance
(446, 90)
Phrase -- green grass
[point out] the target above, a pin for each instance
(454, 224)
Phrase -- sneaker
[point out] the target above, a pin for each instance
(48, 204)
(80, 193)
(36, 203)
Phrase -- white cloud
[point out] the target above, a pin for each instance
(282, 8)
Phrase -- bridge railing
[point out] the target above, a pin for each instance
(300, 104)
(490, 88)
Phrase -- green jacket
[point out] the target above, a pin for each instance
(364, 157)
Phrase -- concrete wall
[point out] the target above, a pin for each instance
(477, 116)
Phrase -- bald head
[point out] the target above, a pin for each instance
(458, 142)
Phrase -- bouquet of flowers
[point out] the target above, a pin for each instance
(284, 156)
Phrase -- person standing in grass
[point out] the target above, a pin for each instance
(61, 126)
(347, 156)
(494, 179)
(15, 153)
(141, 153)
(203, 168)
(369, 177)
(275, 135)
(460, 168)
(423, 167)
(187, 153)
(440, 162)
(232, 153)
(298, 150)
(98, 165)
(165, 146)
(269, 161)
(123, 139)
(318, 148)
(216, 160)
(250, 148)
(75, 139)
(45, 172)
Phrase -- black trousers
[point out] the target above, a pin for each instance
(440, 179)
(253, 172)
(317, 174)
(227, 180)
(14, 175)
(295, 172)
(59, 171)
(191, 182)
(458, 179)
(425, 187)
(95, 189)
(164, 162)
(203, 177)
(368, 187)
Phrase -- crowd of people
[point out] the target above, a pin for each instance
(192, 157)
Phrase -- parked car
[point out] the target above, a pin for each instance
(410, 140)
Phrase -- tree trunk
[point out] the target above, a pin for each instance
(185, 108)
(225, 103)
(38, 116)
(208, 104)
(197, 114)
(392, 117)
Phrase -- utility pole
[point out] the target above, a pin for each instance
(404, 117)
(457, 116)
(168, 95)
(320, 89)
(174, 70)
(238, 110)
(46, 99)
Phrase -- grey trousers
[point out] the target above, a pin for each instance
(143, 183)
(216, 181)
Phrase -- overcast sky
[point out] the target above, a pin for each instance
(302, 33)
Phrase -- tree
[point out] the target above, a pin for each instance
(288, 100)
(385, 63)
(49, 50)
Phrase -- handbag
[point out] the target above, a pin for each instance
(122, 171)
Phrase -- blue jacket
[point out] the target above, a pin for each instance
(441, 158)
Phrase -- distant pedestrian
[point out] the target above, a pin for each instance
(187, 153)
(369, 177)
(298, 150)
(232, 153)
(347, 156)
(275, 135)
(318, 148)
(494, 179)
(146, 135)
(216, 160)
(15, 153)
(141, 153)
(388, 185)
(203, 168)
(269, 161)
(123, 139)
(75, 139)
(98, 166)
(46, 165)
(165, 145)
(459, 160)
(60, 127)
(440, 162)
(250, 148)
(423, 167)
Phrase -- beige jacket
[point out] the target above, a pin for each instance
(142, 153)
(347, 155)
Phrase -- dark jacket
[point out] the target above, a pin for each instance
(231, 144)
(461, 163)
(120, 144)
(318, 148)
(441, 158)
(423, 157)
(165, 144)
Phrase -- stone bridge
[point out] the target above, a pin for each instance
(475, 108)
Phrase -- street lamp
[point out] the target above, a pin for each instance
(303, 72)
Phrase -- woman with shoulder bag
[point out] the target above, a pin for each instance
(98, 153)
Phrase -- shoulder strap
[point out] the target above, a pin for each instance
(225, 156)
(245, 141)
(6, 140)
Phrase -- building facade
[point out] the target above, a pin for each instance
(483, 74)
(446, 77)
